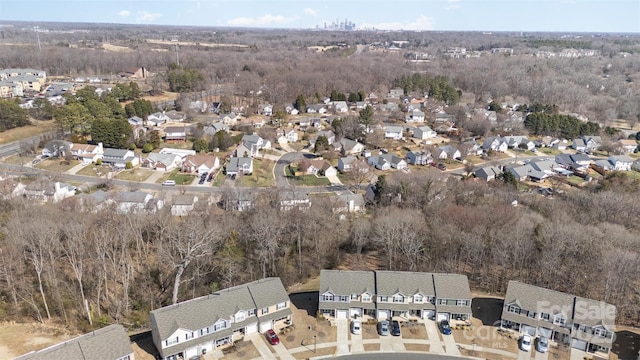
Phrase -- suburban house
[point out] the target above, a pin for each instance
(157, 118)
(488, 173)
(183, 153)
(424, 132)
(340, 107)
(87, 153)
(331, 137)
(293, 199)
(239, 165)
(584, 324)
(119, 157)
(321, 167)
(200, 164)
(256, 141)
(628, 145)
(109, 343)
(44, 190)
(183, 204)
(191, 328)
(620, 162)
(56, 148)
(393, 132)
(229, 119)
(415, 116)
(134, 73)
(137, 125)
(495, 144)
(162, 162)
(215, 128)
(348, 147)
(135, 202)
(316, 109)
(518, 142)
(346, 163)
(419, 157)
(385, 294)
(291, 136)
(587, 143)
(266, 109)
(448, 152)
(175, 133)
(349, 202)
(175, 116)
(387, 161)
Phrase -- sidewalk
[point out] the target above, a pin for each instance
(74, 170)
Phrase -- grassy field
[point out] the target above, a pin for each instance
(18, 160)
(94, 170)
(20, 133)
(219, 180)
(134, 174)
(549, 151)
(262, 175)
(309, 180)
(59, 165)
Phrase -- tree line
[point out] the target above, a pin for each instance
(85, 268)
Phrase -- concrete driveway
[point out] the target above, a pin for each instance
(450, 345)
(261, 346)
(391, 344)
(541, 356)
(357, 346)
(342, 336)
(283, 353)
(434, 336)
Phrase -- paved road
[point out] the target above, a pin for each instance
(400, 356)
(14, 147)
(286, 159)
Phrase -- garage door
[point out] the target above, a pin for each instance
(428, 314)
(383, 314)
(443, 316)
(252, 328)
(266, 326)
(579, 344)
(355, 311)
(342, 314)
(526, 329)
(545, 332)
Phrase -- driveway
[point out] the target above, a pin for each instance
(342, 337)
(541, 356)
(357, 345)
(283, 353)
(434, 337)
(334, 180)
(261, 346)
(450, 345)
(391, 344)
(284, 161)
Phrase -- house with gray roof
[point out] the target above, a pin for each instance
(119, 157)
(194, 327)
(239, 165)
(109, 343)
(419, 157)
(488, 173)
(349, 202)
(620, 162)
(386, 294)
(584, 324)
(162, 161)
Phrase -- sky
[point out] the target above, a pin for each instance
(613, 16)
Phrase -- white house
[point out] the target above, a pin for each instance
(162, 161)
(424, 132)
(120, 157)
(183, 205)
(239, 165)
(393, 132)
(448, 152)
(621, 162)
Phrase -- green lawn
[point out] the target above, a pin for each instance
(219, 180)
(550, 151)
(575, 180)
(633, 174)
(181, 178)
(309, 180)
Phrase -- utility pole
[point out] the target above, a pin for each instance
(37, 30)
(175, 39)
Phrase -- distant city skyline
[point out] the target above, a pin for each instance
(441, 15)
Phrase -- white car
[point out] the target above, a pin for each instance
(525, 342)
(356, 327)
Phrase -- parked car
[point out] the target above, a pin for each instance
(444, 326)
(542, 344)
(395, 328)
(169, 183)
(442, 166)
(210, 177)
(525, 342)
(272, 337)
(356, 327)
(383, 328)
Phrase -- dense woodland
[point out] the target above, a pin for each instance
(84, 268)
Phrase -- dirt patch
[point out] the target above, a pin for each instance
(17, 339)
(369, 331)
(371, 347)
(116, 48)
(306, 327)
(242, 350)
(414, 331)
(417, 347)
(191, 43)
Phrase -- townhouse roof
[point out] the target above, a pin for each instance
(532, 297)
(406, 283)
(108, 343)
(343, 282)
(451, 286)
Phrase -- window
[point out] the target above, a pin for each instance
(240, 317)
(559, 320)
(531, 314)
(251, 312)
(172, 341)
(219, 326)
(442, 301)
(328, 297)
(354, 296)
(462, 303)
(514, 309)
(544, 316)
(366, 298)
(264, 311)
(281, 306)
(344, 298)
(189, 335)
(204, 331)
(383, 298)
(417, 299)
(398, 298)
(431, 300)
(600, 332)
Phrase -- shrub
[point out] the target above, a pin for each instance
(147, 148)
(99, 162)
(128, 165)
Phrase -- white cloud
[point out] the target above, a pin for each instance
(124, 13)
(421, 23)
(145, 16)
(265, 20)
(309, 11)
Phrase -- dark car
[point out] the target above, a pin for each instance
(442, 167)
(210, 177)
(272, 337)
(395, 328)
(444, 327)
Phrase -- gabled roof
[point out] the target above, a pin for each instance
(340, 282)
(120, 153)
(530, 297)
(132, 197)
(165, 159)
(236, 163)
(406, 283)
(451, 286)
(110, 342)
(620, 158)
